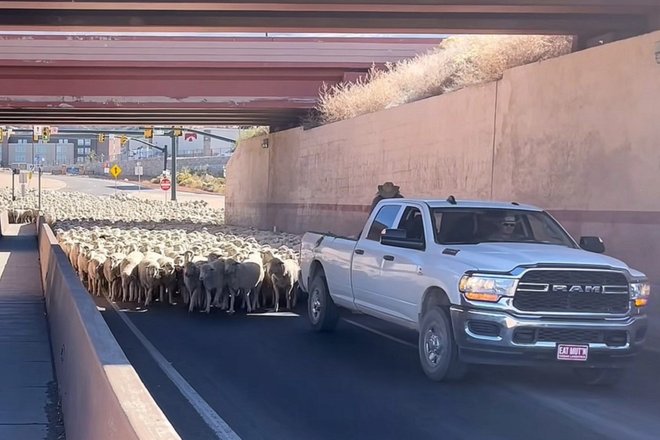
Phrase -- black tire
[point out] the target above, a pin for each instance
(322, 312)
(600, 376)
(438, 352)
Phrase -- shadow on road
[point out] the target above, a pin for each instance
(129, 187)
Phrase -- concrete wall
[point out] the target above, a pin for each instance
(578, 135)
(102, 395)
(249, 185)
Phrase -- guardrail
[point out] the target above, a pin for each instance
(102, 395)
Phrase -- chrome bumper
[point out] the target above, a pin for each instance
(502, 349)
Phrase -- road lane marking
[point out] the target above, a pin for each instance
(219, 427)
(385, 335)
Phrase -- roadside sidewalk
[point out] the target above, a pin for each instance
(28, 390)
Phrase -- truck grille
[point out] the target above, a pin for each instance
(573, 291)
(529, 335)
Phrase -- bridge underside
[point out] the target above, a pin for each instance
(282, 118)
(110, 79)
(585, 17)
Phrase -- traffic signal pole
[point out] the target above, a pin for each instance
(175, 147)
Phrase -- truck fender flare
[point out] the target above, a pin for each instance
(434, 296)
(314, 268)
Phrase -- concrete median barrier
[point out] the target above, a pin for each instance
(102, 395)
(4, 221)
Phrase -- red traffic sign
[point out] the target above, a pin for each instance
(165, 184)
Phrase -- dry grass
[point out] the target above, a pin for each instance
(203, 181)
(457, 63)
(248, 133)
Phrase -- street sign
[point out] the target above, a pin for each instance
(54, 130)
(139, 170)
(165, 184)
(115, 171)
(106, 170)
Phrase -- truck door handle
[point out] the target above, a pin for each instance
(359, 251)
(388, 257)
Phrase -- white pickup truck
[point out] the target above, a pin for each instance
(482, 282)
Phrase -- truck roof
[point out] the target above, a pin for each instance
(439, 203)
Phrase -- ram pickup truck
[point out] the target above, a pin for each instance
(481, 282)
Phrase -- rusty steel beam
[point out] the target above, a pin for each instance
(425, 16)
(194, 21)
(369, 6)
(191, 116)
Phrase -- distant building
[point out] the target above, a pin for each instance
(68, 149)
(59, 150)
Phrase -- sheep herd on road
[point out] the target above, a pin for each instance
(142, 251)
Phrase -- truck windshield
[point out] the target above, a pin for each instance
(482, 225)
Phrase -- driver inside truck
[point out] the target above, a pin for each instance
(506, 229)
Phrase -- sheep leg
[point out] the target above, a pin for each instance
(291, 299)
(193, 300)
(207, 302)
(276, 296)
(170, 295)
(216, 297)
(247, 298)
(225, 301)
(148, 294)
(232, 299)
(162, 294)
(257, 294)
(126, 289)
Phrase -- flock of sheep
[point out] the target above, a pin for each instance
(135, 250)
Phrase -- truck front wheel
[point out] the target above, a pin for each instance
(321, 310)
(438, 352)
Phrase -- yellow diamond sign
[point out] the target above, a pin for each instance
(115, 171)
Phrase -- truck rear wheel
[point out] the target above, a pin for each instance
(600, 376)
(438, 352)
(322, 312)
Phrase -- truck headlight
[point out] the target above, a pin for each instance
(486, 288)
(640, 292)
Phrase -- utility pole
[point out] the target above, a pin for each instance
(175, 142)
(39, 177)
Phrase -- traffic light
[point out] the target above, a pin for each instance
(177, 132)
(46, 134)
(149, 133)
(101, 137)
(2, 134)
(124, 139)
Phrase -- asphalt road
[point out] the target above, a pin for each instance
(270, 377)
(105, 187)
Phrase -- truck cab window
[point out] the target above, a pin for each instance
(412, 222)
(384, 220)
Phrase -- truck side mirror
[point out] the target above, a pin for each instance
(398, 238)
(592, 244)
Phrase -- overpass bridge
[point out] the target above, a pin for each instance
(584, 17)
(110, 79)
